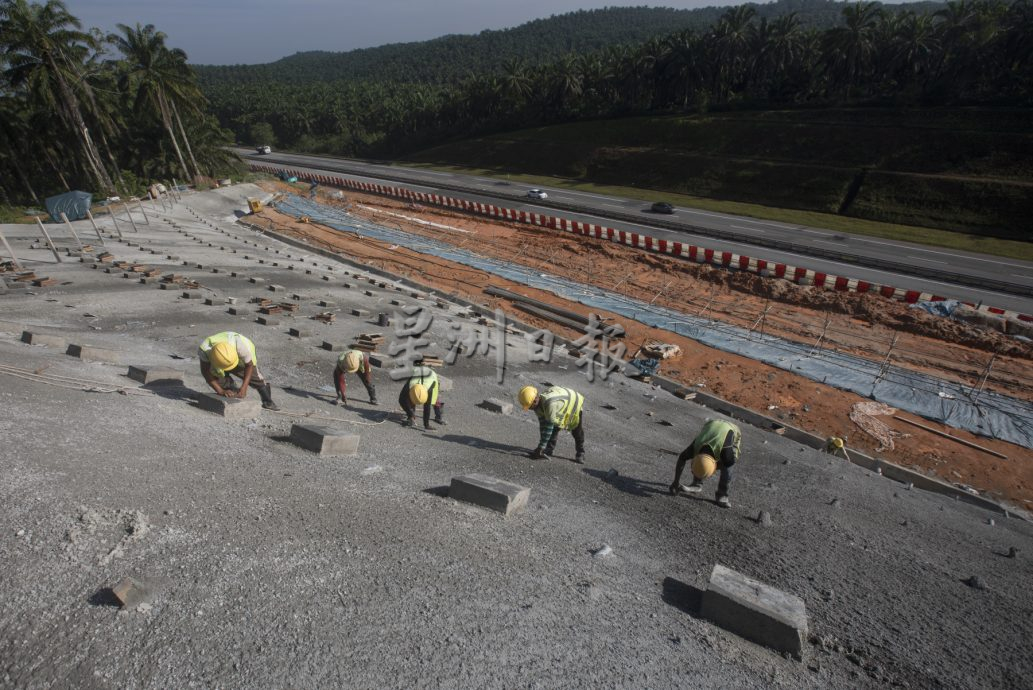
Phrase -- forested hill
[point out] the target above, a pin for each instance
(452, 58)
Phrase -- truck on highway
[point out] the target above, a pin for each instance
(264, 149)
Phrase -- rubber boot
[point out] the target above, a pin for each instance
(437, 415)
(265, 392)
(409, 421)
(372, 390)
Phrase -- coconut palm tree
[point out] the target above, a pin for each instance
(43, 46)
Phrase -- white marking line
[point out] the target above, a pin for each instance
(414, 220)
(760, 230)
(963, 257)
(928, 261)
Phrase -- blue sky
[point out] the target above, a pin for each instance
(253, 31)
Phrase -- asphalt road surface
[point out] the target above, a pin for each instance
(945, 272)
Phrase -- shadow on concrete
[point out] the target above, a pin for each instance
(104, 597)
(172, 391)
(483, 444)
(682, 596)
(439, 491)
(302, 393)
(629, 485)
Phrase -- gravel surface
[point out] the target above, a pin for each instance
(264, 565)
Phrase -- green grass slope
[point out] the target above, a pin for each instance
(968, 170)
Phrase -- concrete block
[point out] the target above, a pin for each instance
(267, 321)
(326, 303)
(236, 311)
(256, 281)
(368, 293)
(88, 353)
(360, 312)
(53, 341)
(327, 278)
(488, 492)
(276, 288)
(146, 375)
(756, 611)
(333, 347)
(231, 408)
(382, 362)
(324, 440)
(498, 406)
(191, 294)
(300, 332)
(445, 383)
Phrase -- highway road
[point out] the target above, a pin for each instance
(979, 278)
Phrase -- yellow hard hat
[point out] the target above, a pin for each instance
(703, 465)
(527, 396)
(352, 361)
(836, 442)
(418, 394)
(224, 356)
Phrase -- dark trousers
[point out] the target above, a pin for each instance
(342, 387)
(265, 391)
(410, 409)
(577, 432)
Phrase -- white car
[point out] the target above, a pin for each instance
(537, 194)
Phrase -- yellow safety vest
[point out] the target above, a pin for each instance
(211, 341)
(562, 407)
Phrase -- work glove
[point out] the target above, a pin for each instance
(536, 454)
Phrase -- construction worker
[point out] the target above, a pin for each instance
(421, 388)
(834, 445)
(354, 362)
(229, 353)
(557, 408)
(715, 447)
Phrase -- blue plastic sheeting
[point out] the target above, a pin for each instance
(988, 414)
(73, 204)
(939, 308)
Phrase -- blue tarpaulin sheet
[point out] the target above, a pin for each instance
(72, 204)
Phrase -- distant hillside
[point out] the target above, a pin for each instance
(885, 164)
(451, 58)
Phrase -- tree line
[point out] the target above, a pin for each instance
(79, 109)
(964, 52)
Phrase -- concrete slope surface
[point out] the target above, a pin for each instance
(259, 564)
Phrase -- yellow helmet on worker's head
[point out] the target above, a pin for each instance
(835, 442)
(418, 394)
(703, 465)
(224, 356)
(527, 396)
(352, 361)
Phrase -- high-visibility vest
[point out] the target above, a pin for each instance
(362, 361)
(429, 378)
(226, 336)
(562, 407)
(711, 438)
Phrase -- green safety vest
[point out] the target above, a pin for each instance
(429, 378)
(561, 407)
(211, 341)
(711, 438)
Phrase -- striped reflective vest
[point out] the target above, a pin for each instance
(561, 407)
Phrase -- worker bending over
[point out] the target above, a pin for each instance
(557, 408)
(354, 362)
(421, 388)
(229, 353)
(715, 447)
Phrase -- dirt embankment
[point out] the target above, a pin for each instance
(863, 325)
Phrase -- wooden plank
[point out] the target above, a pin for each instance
(953, 438)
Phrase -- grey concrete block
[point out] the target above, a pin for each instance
(267, 321)
(488, 492)
(191, 294)
(324, 440)
(368, 293)
(756, 611)
(237, 311)
(232, 408)
(496, 405)
(333, 347)
(381, 361)
(360, 312)
(256, 281)
(88, 353)
(276, 288)
(300, 332)
(53, 341)
(326, 303)
(147, 375)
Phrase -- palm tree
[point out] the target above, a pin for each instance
(850, 48)
(155, 77)
(42, 44)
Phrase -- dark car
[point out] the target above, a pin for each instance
(661, 207)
